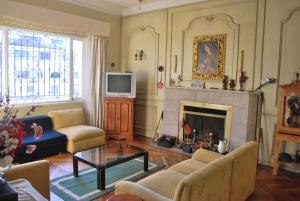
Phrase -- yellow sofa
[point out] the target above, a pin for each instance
(71, 122)
(207, 176)
(37, 173)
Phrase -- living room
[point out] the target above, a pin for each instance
(181, 99)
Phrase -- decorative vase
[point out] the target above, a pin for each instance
(222, 146)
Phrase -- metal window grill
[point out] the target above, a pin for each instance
(38, 67)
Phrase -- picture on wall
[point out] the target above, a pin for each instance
(209, 57)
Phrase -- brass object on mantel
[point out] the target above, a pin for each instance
(227, 118)
(242, 80)
(232, 84)
(225, 82)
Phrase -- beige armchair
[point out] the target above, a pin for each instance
(37, 173)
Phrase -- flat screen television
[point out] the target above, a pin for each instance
(120, 84)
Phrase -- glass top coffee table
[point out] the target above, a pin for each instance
(111, 154)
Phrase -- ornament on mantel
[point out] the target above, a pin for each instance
(243, 78)
(172, 83)
(296, 76)
(225, 82)
(180, 79)
(232, 84)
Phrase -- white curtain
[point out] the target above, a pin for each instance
(93, 79)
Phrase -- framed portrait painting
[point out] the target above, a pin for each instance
(209, 53)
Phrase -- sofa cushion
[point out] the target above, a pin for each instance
(163, 182)
(67, 118)
(210, 183)
(187, 166)
(206, 156)
(50, 143)
(243, 170)
(83, 137)
(43, 121)
(81, 132)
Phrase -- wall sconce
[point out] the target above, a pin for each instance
(139, 54)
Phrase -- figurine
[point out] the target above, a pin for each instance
(172, 83)
(242, 80)
(296, 76)
(179, 78)
(232, 84)
(225, 83)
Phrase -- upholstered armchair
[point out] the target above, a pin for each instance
(37, 173)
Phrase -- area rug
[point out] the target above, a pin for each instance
(84, 187)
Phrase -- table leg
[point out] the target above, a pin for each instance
(146, 161)
(101, 178)
(276, 155)
(75, 166)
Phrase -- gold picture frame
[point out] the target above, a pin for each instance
(209, 53)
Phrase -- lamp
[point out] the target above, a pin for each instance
(139, 54)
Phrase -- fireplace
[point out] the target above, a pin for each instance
(243, 111)
(205, 118)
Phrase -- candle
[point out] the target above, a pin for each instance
(242, 60)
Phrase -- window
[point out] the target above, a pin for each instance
(39, 67)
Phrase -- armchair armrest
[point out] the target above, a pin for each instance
(37, 173)
(126, 187)
(206, 156)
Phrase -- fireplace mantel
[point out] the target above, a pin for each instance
(245, 115)
(215, 90)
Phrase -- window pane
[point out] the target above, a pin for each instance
(77, 64)
(39, 67)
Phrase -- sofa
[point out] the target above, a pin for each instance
(71, 122)
(50, 143)
(207, 176)
(37, 173)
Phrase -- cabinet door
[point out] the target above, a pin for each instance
(125, 126)
(110, 124)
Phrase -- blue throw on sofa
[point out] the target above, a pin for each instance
(51, 142)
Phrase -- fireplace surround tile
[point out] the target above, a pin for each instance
(245, 116)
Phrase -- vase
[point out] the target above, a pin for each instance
(222, 146)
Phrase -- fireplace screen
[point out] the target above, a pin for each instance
(208, 122)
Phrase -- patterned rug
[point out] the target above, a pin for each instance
(84, 187)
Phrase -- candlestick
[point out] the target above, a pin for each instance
(242, 60)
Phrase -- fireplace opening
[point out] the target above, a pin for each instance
(209, 123)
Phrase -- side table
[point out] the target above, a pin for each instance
(124, 197)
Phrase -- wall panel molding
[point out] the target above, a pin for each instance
(148, 125)
(282, 40)
(209, 20)
(155, 36)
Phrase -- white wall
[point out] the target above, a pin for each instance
(51, 18)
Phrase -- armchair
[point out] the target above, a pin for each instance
(37, 173)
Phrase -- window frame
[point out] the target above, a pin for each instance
(5, 66)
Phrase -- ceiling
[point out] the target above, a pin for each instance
(129, 7)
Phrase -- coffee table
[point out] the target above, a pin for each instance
(111, 154)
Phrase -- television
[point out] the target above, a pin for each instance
(120, 84)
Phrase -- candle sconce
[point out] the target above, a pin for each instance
(139, 54)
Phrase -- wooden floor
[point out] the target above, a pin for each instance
(285, 187)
